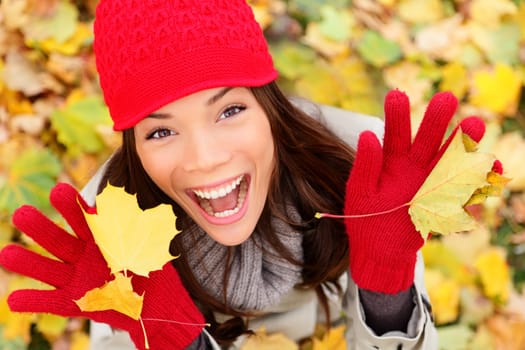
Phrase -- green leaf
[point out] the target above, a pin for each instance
(336, 24)
(29, 180)
(501, 44)
(321, 85)
(455, 337)
(312, 8)
(76, 125)
(292, 60)
(60, 25)
(377, 50)
(10, 344)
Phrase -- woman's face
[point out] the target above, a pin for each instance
(212, 152)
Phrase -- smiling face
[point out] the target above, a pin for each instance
(212, 152)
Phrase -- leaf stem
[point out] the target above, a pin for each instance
(146, 343)
(177, 322)
(357, 216)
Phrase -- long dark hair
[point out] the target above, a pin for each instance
(312, 165)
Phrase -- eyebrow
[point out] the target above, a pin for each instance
(220, 94)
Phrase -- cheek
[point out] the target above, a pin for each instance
(158, 166)
(267, 148)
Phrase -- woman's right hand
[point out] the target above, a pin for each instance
(171, 320)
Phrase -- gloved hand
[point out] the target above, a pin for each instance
(383, 247)
(82, 268)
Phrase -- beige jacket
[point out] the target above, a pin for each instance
(299, 311)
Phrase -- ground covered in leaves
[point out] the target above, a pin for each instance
(54, 127)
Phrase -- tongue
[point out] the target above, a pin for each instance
(224, 203)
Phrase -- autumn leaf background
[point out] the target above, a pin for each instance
(54, 126)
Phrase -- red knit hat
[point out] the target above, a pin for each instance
(152, 52)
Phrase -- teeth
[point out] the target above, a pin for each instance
(240, 201)
(219, 192)
(205, 204)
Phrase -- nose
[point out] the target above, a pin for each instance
(205, 152)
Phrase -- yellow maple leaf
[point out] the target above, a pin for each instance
(497, 90)
(115, 295)
(444, 295)
(496, 184)
(128, 237)
(438, 206)
(455, 79)
(51, 325)
(494, 274)
(264, 341)
(334, 339)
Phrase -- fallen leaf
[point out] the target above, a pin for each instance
(59, 25)
(115, 295)
(328, 47)
(454, 79)
(292, 59)
(129, 238)
(320, 84)
(14, 326)
(438, 39)
(454, 337)
(76, 124)
(416, 11)
(333, 339)
(79, 341)
(263, 341)
(406, 76)
(494, 274)
(475, 307)
(51, 325)
(377, 50)
(337, 24)
(444, 296)
(21, 75)
(438, 206)
(439, 256)
(509, 148)
(29, 180)
(467, 245)
(13, 13)
(500, 44)
(482, 340)
(490, 12)
(517, 203)
(507, 331)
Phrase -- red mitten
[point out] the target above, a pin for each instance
(81, 267)
(384, 179)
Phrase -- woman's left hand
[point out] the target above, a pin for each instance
(384, 179)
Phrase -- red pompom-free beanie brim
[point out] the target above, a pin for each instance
(152, 52)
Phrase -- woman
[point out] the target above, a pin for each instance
(205, 128)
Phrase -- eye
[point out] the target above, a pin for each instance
(160, 133)
(231, 111)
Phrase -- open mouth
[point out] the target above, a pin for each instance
(223, 201)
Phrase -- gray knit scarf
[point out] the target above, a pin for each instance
(258, 277)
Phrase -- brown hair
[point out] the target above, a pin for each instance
(312, 165)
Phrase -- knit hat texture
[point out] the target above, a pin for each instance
(152, 52)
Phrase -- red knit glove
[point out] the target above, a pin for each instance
(383, 179)
(82, 268)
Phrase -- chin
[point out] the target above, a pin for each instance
(230, 236)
